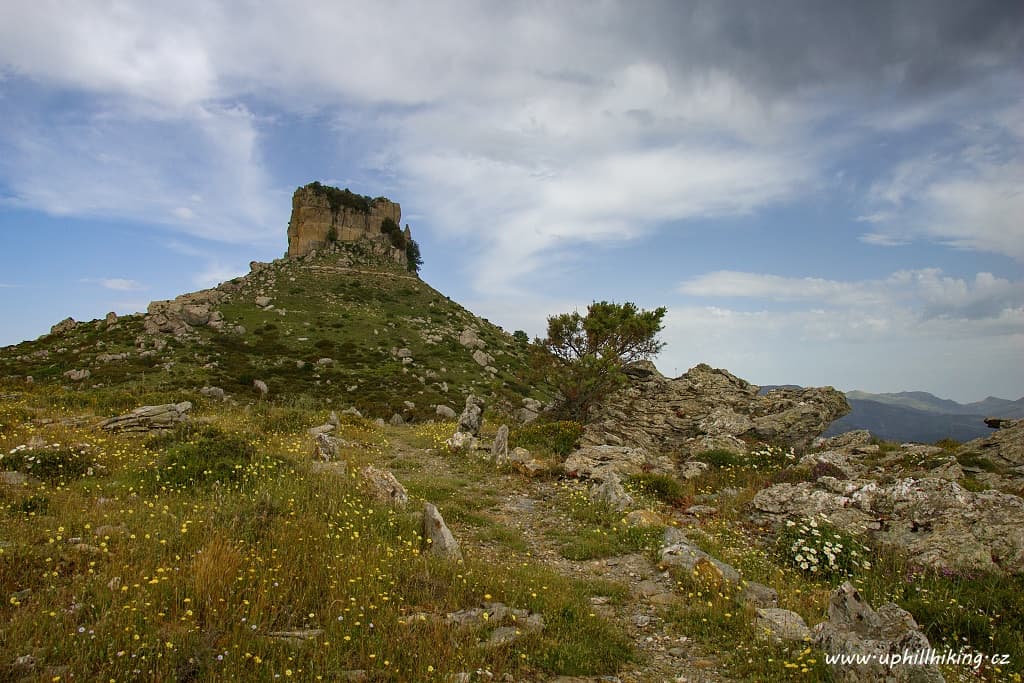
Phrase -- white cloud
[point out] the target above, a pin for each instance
(118, 284)
(214, 273)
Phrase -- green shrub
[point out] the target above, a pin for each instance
(521, 337)
(54, 465)
(665, 488)
(559, 437)
(339, 199)
(203, 458)
(719, 457)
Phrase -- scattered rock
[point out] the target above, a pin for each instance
(499, 449)
(611, 492)
(261, 386)
(782, 625)
(325, 448)
(678, 551)
(445, 413)
(472, 416)
(523, 461)
(77, 375)
(351, 410)
(396, 420)
(148, 418)
(461, 441)
(263, 301)
(759, 595)
(598, 462)
(692, 469)
(854, 628)
(14, 478)
(320, 429)
(438, 536)
(384, 487)
(296, 637)
(482, 358)
(644, 519)
(65, 325)
(213, 392)
(470, 340)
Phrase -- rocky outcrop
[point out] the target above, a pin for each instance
(65, 325)
(323, 215)
(889, 640)
(1004, 450)
(935, 522)
(180, 315)
(149, 418)
(602, 462)
(661, 414)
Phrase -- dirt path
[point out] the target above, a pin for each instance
(530, 507)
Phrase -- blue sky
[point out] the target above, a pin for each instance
(820, 193)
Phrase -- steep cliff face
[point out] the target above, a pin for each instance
(321, 215)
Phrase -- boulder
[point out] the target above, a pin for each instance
(482, 358)
(325, 448)
(611, 492)
(213, 392)
(396, 420)
(65, 325)
(263, 301)
(261, 386)
(77, 375)
(445, 413)
(598, 462)
(149, 418)
(437, 535)
(678, 551)
(470, 340)
(781, 625)
(523, 461)
(384, 487)
(461, 441)
(499, 448)
(854, 628)
(472, 416)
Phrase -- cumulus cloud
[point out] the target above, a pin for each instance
(118, 284)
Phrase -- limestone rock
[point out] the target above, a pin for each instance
(678, 551)
(77, 375)
(854, 628)
(396, 420)
(213, 392)
(933, 521)
(148, 418)
(438, 536)
(782, 625)
(664, 415)
(482, 358)
(65, 325)
(315, 223)
(1004, 449)
(325, 448)
(261, 386)
(523, 460)
(461, 441)
(598, 462)
(263, 301)
(611, 492)
(384, 487)
(469, 339)
(445, 413)
(472, 416)
(499, 449)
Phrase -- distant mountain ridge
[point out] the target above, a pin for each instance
(920, 416)
(922, 400)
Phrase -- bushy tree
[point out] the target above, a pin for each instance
(413, 259)
(582, 358)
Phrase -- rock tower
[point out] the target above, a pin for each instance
(322, 216)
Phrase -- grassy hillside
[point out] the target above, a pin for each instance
(356, 314)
